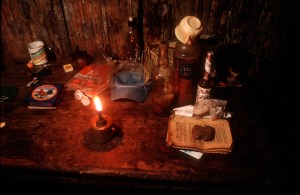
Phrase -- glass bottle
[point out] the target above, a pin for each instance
(133, 56)
(133, 47)
(186, 60)
(205, 85)
(162, 77)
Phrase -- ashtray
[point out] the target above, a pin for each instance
(129, 84)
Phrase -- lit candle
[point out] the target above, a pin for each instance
(98, 103)
(101, 121)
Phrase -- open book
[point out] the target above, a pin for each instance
(180, 135)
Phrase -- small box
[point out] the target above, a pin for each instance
(68, 67)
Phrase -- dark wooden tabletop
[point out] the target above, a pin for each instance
(51, 145)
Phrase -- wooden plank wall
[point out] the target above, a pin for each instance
(63, 25)
(100, 25)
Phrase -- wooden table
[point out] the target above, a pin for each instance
(49, 147)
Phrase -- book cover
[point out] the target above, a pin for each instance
(92, 79)
(45, 96)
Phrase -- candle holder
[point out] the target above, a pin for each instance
(101, 128)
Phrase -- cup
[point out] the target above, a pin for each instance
(101, 134)
(37, 51)
(188, 29)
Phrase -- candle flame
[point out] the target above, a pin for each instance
(98, 103)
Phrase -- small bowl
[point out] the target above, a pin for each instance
(188, 29)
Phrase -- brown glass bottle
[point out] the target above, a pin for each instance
(162, 78)
(205, 84)
(186, 60)
(186, 63)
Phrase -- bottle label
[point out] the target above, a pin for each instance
(207, 66)
(186, 66)
(202, 93)
(185, 71)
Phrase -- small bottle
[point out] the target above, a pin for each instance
(186, 60)
(133, 56)
(162, 77)
(133, 46)
(205, 85)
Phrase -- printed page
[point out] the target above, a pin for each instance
(180, 134)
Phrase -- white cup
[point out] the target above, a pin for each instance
(188, 29)
(37, 51)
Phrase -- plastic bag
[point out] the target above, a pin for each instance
(210, 108)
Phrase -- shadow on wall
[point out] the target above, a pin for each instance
(232, 64)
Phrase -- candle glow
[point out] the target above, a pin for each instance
(98, 103)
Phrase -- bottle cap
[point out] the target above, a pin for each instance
(188, 29)
(130, 21)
